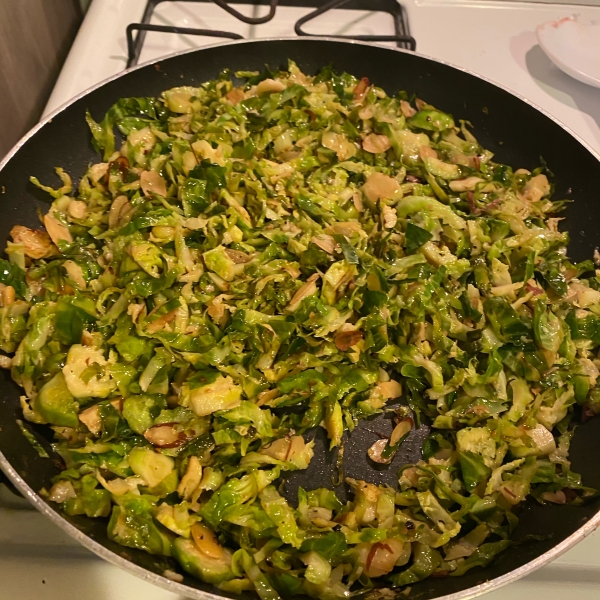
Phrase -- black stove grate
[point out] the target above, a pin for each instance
(136, 32)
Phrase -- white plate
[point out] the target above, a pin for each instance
(573, 47)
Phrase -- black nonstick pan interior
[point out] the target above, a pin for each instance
(519, 134)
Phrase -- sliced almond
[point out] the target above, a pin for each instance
(206, 541)
(357, 201)
(278, 449)
(464, 185)
(403, 428)
(173, 575)
(376, 450)
(427, 152)
(152, 183)
(383, 556)
(57, 230)
(293, 271)
(120, 203)
(406, 109)
(75, 273)
(165, 436)
(269, 86)
(390, 389)
(62, 491)
(339, 143)
(325, 242)
(90, 417)
(558, 497)
(379, 185)
(375, 143)
(160, 323)
(77, 209)
(134, 311)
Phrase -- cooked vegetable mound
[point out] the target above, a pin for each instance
(250, 263)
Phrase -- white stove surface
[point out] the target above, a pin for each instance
(494, 38)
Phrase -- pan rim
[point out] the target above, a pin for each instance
(188, 591)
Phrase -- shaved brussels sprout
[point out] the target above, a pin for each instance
(140, 411)
(131, 524)
(85, 373)
(218, 261)
(261, 257)
(55, 403)
(150, 466)
(207, 394)
(200, 564)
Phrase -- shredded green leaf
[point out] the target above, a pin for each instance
(247, 264)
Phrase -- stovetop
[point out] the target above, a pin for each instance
(493, 38)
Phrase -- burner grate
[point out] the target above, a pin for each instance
(136, 32)
(402, 37)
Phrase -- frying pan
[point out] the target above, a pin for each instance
(520, 135)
